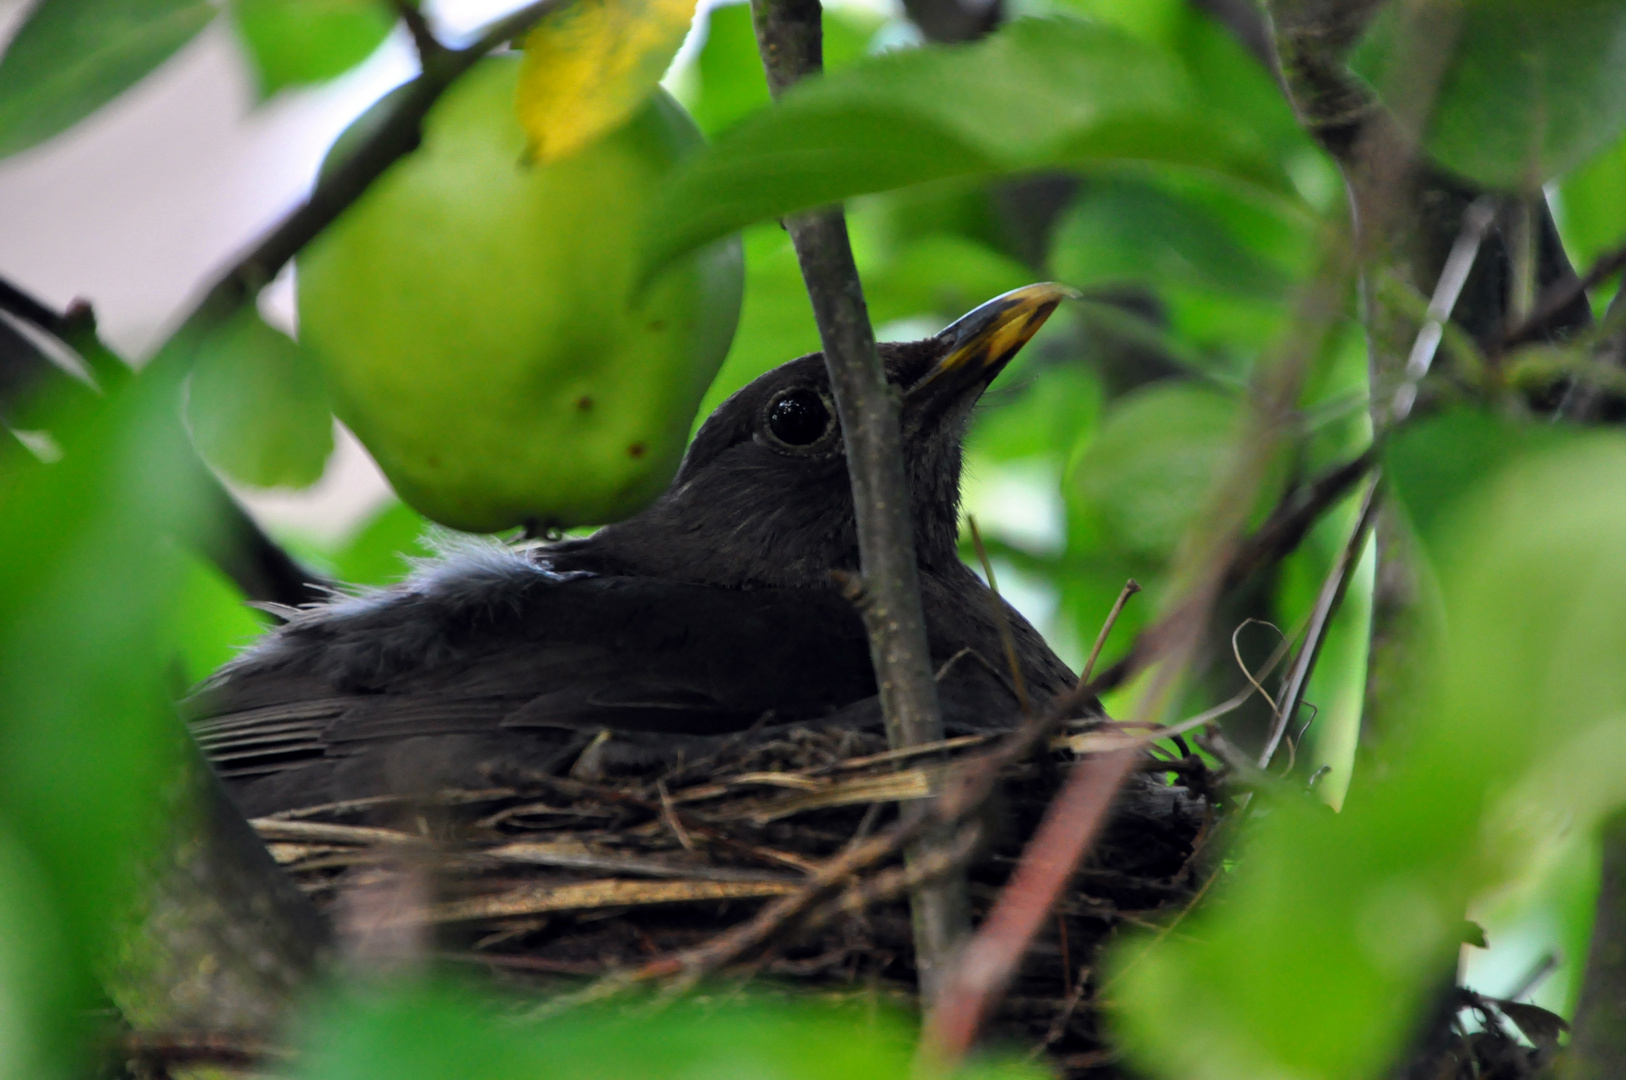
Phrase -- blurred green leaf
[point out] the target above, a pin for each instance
(431, 1033)
(1344, 925)
(37, 976)
(379, 554)
(1035, 94)
(1146, 474)
(1234, 83)
(88, 735)
(1533, 87)
(257, 406)
(1592, 207)
(294, 42)
(209, 620)
(1036, 414)
(73, 56)
(776, 318)
(941, 275)
(1431, 466)
(732, 84)
(1223, 263)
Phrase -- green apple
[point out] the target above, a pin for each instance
(481, 328)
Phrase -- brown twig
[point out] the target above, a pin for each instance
(1326, 606)
(396, 136)
(224, 1049)
(1291, 520)
(1557, 299)
(1131, 587)
(424, 40)
(790, 38)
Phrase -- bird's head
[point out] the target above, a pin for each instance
(763, 496)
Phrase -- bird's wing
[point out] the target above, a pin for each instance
(531, 651)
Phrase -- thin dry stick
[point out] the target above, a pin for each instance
(1332, 593)
(1000, 620)
(1131, 587)
(1561, 295)
(790, 38)
(1447, 289)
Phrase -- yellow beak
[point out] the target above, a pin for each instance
(984, 340)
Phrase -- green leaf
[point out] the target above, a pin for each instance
(88, 734)
(258, 407)
(1036, 94)
(1344, 925)
(295, 42)
(209, 620)
(36, 972)
(1533, 87)
(1431, 466)
(776, 318)
(1223, 263)
(73, 56)
(435, 1033)
(379, 554)
(1592, 206)
(730, 68)
(1147, 472)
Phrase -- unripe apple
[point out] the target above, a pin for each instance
(482, 330)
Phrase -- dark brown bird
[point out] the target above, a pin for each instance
(713, 610)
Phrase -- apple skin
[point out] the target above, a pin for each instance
(477, 318)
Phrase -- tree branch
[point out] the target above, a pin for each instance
(790, 38)
(395, 137)
(1559, 299)
(233, 541)
(1598, 1047)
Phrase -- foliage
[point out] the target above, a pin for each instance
(439, 1030)
(1133, 150)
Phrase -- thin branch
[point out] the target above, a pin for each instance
(790, 39)
(1446, 292)
(424, 40)
(1293, 517)
(189, 1048)
(1556, 300)
(395, 137)
(1315, 635)
(233, 541)
(1131, 587)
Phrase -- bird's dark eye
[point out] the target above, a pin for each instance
(798, 418)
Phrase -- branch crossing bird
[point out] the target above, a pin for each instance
(715, 609)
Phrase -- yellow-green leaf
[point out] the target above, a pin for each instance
(589, 66)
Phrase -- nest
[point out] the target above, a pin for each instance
(560, 883)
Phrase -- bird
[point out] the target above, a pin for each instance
(715, 610)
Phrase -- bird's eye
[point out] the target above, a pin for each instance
(798, 418)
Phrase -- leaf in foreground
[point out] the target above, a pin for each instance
(1039, 93)
(73, 56)
(1343, 925)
